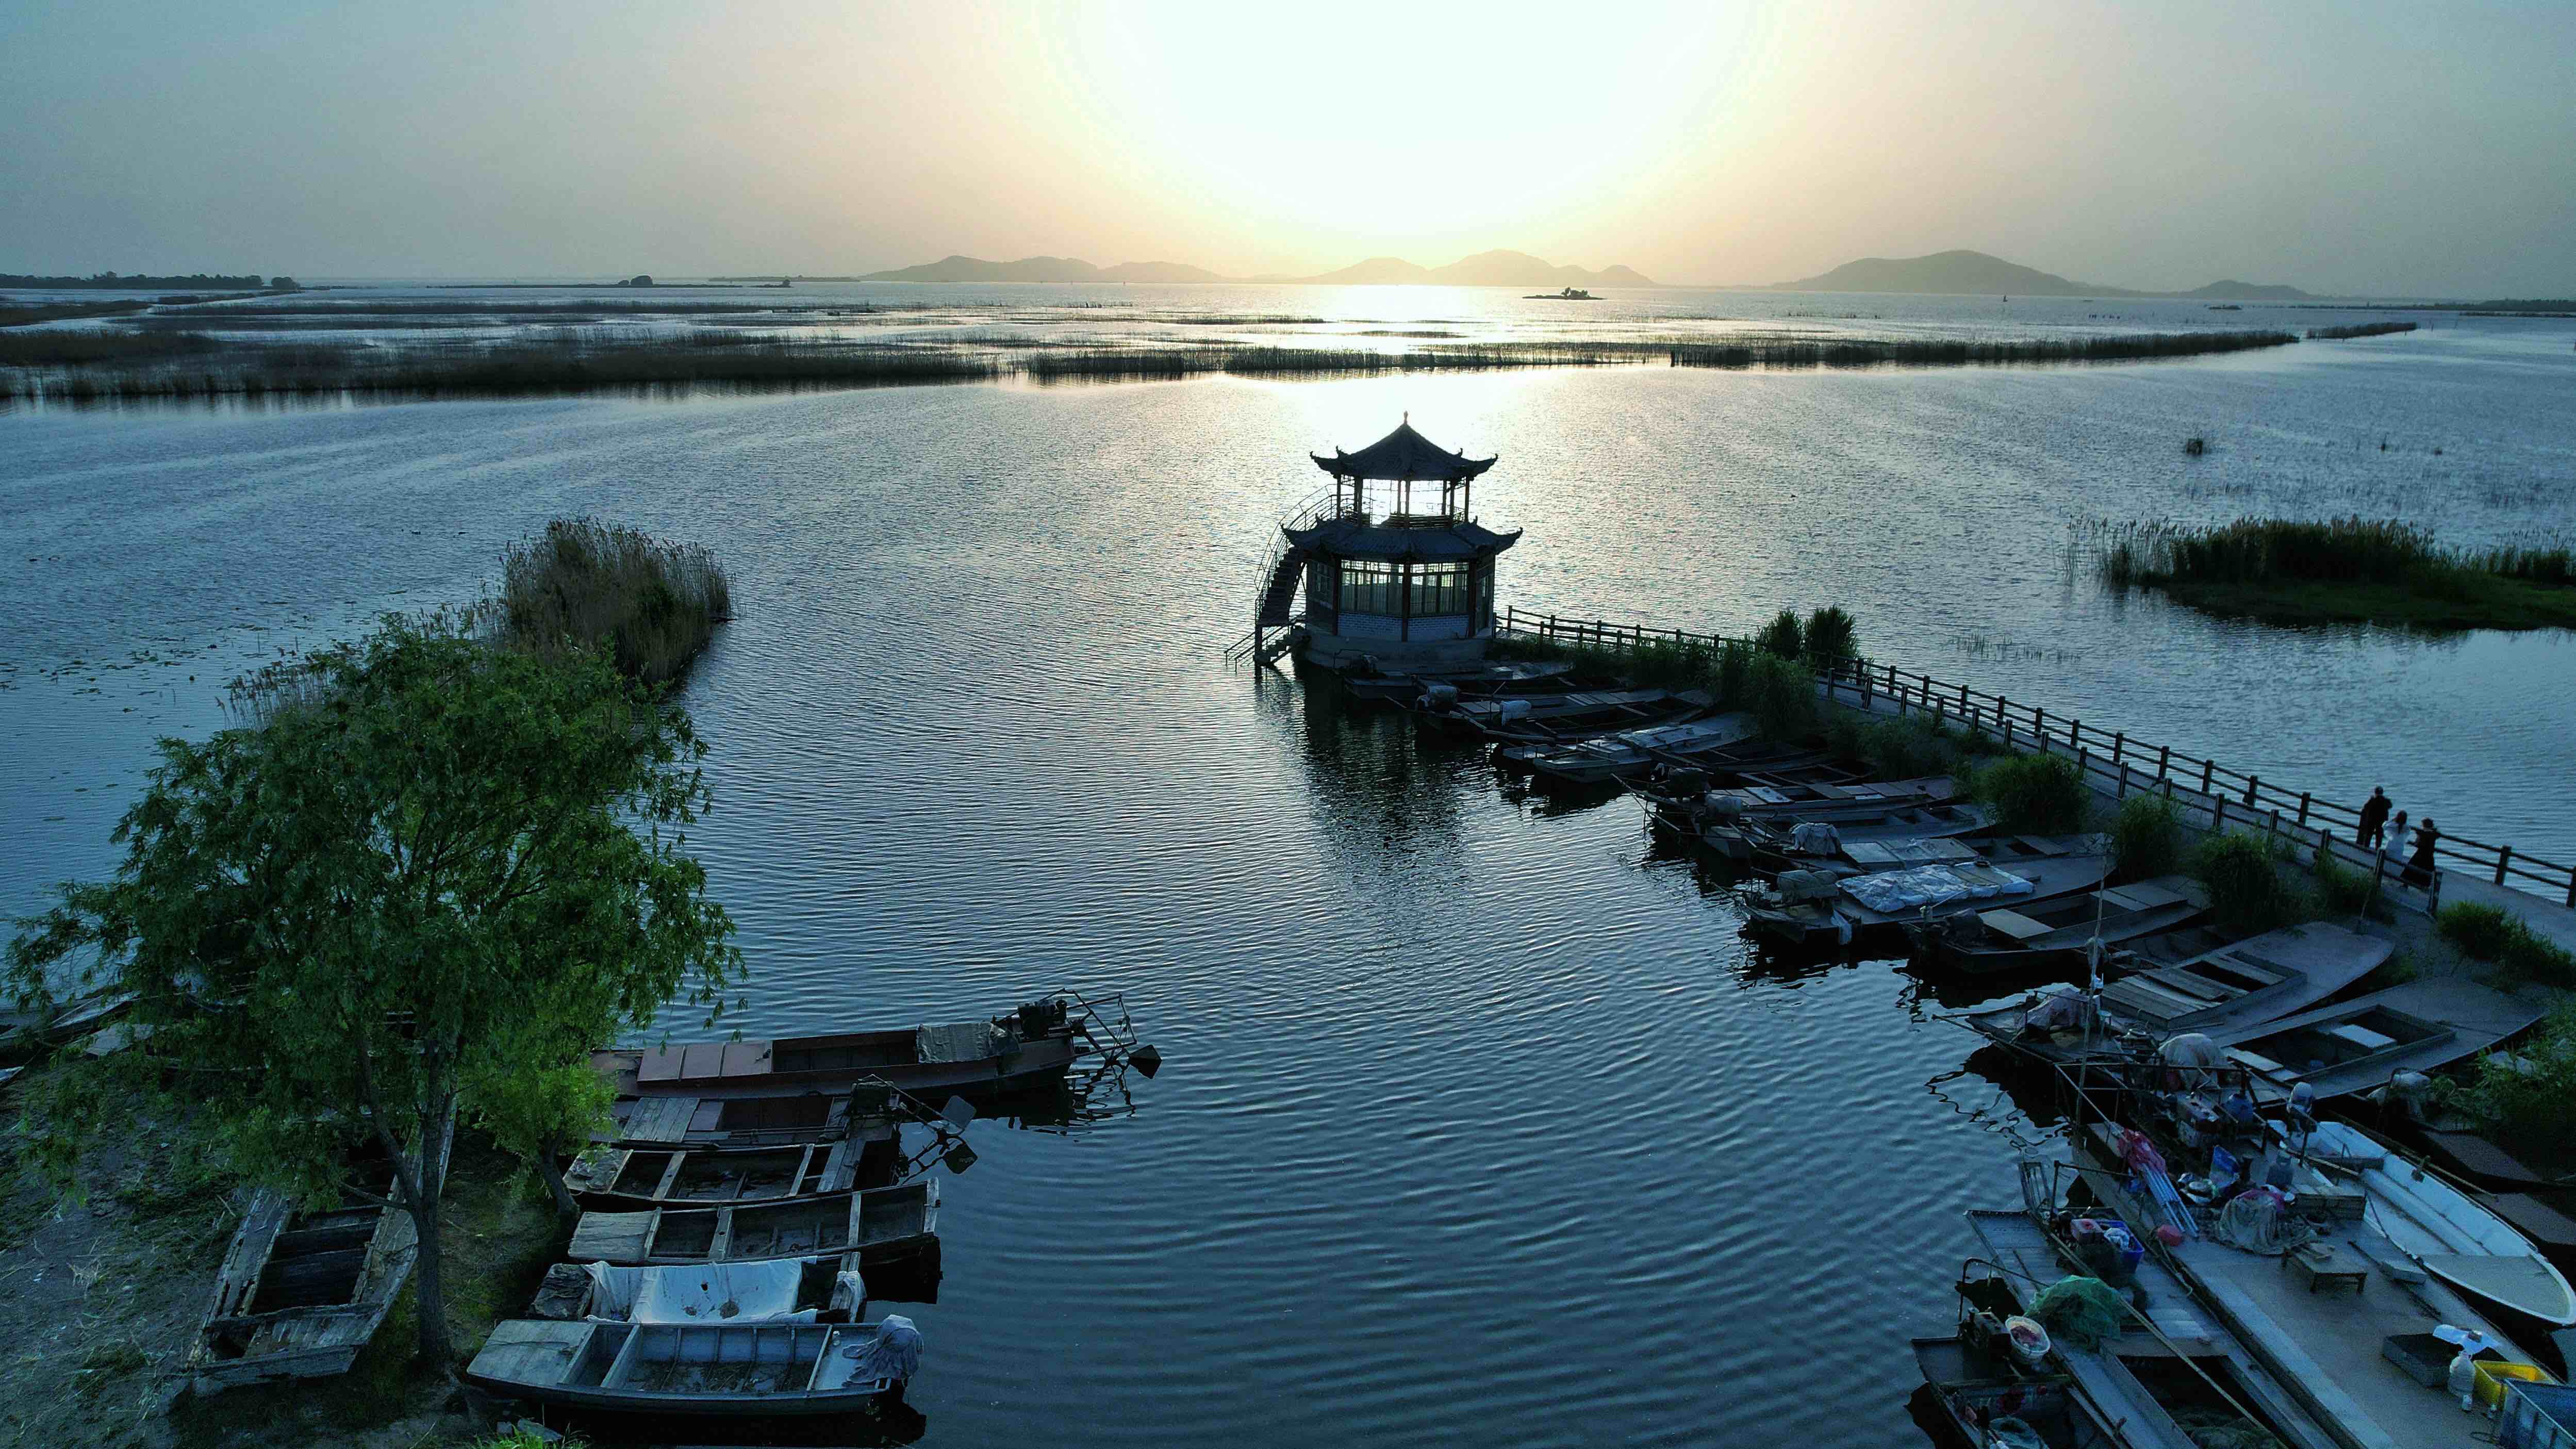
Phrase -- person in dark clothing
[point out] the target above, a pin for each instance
(2419, 871)
(2374, 818)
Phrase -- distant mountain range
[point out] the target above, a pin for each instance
(1976, 274)
(1486, 269)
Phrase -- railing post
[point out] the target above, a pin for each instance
(2075, 732)
(2207, 767)
(2119, 747)
(2272, 826)
(2303, 807)
(2217, 813)
(2252, 782)
(2164, 757)
(2008, 744)
(2571, 890)
(2504, 856)
(1963, 697)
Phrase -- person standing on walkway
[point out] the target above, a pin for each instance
(2374, 818)
(2392, 847)
(2419, 871)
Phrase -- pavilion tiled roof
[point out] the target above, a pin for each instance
(1403, 455)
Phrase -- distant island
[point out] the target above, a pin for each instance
(1486, 269)
(194, 281)
(1976, 274)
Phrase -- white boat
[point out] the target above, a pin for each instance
(1629, 752)
(2361, 1043)
(2445, 1230)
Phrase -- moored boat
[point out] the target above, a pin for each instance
(1580, 708)
(826, 1289)
(613, 1178)
(1989, 1402)
(748, 1370)
(2234, 983)
(2358, 1044)
(1858, 908)
(881, 1225)
(1887, 839)
(1617, 756)
(2054, 933)
(2445, 1231)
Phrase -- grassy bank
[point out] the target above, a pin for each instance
(2347, 570)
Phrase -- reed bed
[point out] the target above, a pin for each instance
(55, 348)
(2344, 569)
(18, 315)
(653, 604)
(2360, 329)
(1962, 352)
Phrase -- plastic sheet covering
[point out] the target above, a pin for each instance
(714, 1293)
(1932, 885)
(2061, 1008)
(1723, 805)
(2080, 1311)
(2194, 1058)
(2011, 1433)
(894, 1353)
(2253, 1221)
(1804, 885)
(1815, 837)
(962, 1041)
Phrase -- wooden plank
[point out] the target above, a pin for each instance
(662, 1065)
(2177, 979)
(611, 1237)
(532, 1351)
(700, 1060)
(745, 1059)
(661, 1119)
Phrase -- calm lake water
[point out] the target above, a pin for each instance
(1480, 1121)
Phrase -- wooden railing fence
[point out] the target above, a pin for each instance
(2230, 798)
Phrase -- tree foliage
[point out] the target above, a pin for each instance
(1784, 636)
(428, 883)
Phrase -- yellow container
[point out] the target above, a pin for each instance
(2490, 1379)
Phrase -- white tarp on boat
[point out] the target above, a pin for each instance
(1932, 885)
(713, 1293)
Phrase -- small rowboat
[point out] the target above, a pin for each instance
(884, 1225)
(2054, 933)
(749, 1370)
(780, 1290)
(1632, 752)
(2026, 869)
(2358, 1044)
(2449, 1233)
(631, 1179)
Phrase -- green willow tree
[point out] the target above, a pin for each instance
(430, 878)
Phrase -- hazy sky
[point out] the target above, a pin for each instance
(2423, 148)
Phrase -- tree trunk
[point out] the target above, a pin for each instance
(550, 1167)
(429, 1280)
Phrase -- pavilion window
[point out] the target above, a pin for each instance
(1440, 589)
(1371, 588)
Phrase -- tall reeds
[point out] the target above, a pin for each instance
(2364, 329)
(1960, 352)
(652, 604)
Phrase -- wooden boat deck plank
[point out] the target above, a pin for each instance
(660, 1119)
(611, 1237)
(531, 1351)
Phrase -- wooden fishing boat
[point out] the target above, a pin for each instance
(2056, 932)
(2357, 1044)
(1610, 708)
(2173, 1360)
(2237, 983)
(1975, 1396)
(1888, 839)
(2445, 1231)
(1517, 744)
(763, 1370)
(301, 1291)
(635, 1179)
(2027, 870)
(1718, 819)
(826, 1289)
(2346, 1347)
(1630, 752)
(798, 1077)
(1480, 681)
(882, 1226)
(27, 1031)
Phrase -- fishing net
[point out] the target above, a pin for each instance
(2080, 1311)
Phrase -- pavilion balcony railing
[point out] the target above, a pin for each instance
(2226, 797)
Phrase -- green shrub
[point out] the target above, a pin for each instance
(2248, 891)
(2345, 891)
(653, 604)
(1781, 695)
(1734, 673)
(1783, 636)
(1830, 637)
(1903, 749)
(2034, 794)
(2482, 931)
(2146, 837)
(2522, 1097)
(2492, 933)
